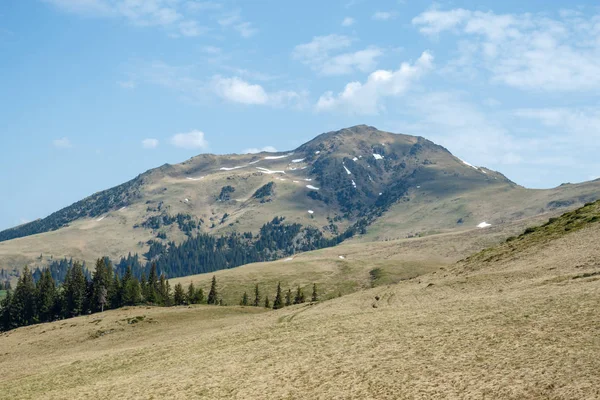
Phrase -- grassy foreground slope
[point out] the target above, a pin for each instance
(522, 324)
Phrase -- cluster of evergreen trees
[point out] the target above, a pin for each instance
(43, 300)
(279, 301)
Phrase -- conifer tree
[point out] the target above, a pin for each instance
(115, 292)
(46, 297)
(278, 303)
(132, 293)
(299, 299)
(161, 295)
(199, 296)
(267, 304)
(314, 296)
(288, 298)
(213, 294)
(179, 295)
(244, 301)
(6, 313)
(191, 294)
(24, 299)
(152, 286)
(75, 291)
(101, 280)
(256, 296)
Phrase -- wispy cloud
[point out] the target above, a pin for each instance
(62, 143)
(367, 97)
(324, 55)
(348, 21)
(235, 21)
(254, 150)
(233, 89)
(190, 140)
(524, 51)
(176, 17)
(150, 143)
(384, 15)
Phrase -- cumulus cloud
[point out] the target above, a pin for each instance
(150, 143)
(237, 90)
(254, 150)
(348, 21)
(324, 55)
(366, 98)
(62, 143)
(525, 51)
(190, 140)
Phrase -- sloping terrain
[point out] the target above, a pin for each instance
(521, 324)
(402, 185)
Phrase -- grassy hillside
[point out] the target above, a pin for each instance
(539, 237)
(523, 326)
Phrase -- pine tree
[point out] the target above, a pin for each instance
(46, 297)
(167, 298)
(256, 296)
(199, 296)
(191, 294)
(213, 295)
(152, 286)
(6, 313)
(115, 292)
(288, 298)
(244, 301)
(314, 293)
(278, 303)
(179, 295)
(101, 280)
(299, 299)
(23, 302)
(267, 304)
(75, 291)
(132, 293)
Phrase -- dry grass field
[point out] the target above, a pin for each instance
(523, 325)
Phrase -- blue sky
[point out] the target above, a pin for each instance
(94, 92)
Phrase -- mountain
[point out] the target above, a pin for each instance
(396, 185)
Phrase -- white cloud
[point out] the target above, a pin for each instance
(233, 89)
(62, 143)
(348, 21)
(239, 91)
(525, 51)
(235, 21)
(150, 143)
(366, 98)
(190, 140)
(254, 150)
(168, 14)
(318, 54)
(384, 15)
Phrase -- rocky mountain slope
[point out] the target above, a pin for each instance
(396, 185)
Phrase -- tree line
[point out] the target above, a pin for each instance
(43, 300)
